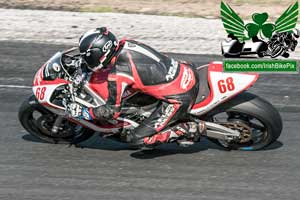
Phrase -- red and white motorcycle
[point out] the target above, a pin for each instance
(234, 119)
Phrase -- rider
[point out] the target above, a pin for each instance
(139, 67)
(285, 40)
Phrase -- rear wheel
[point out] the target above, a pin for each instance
(257, 120)
(38, 121)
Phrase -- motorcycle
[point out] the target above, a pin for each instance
(281, 43)
(234, 119)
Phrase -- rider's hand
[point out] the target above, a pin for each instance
(78, 111)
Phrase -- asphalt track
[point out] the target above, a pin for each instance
(33, 170)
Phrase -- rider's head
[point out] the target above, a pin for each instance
(97, 47)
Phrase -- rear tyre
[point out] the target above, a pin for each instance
(258, 121)
(38, 121)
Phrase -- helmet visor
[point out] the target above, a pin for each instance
(92, 57)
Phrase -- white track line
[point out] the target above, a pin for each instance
(16, 86)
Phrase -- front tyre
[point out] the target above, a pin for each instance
(38, 121)
(277, 50)
(256, 119)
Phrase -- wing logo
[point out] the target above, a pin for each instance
(273, 39)
(233, 24)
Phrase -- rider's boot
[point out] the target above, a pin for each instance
(195, 130)
(185, 134)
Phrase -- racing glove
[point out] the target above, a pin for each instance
(78, 111)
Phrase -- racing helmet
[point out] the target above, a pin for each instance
(97, 47)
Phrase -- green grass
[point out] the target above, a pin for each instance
(97, 9)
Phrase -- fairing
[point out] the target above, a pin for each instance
(223, 86)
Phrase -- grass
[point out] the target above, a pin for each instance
(99, 9)
(257, 1)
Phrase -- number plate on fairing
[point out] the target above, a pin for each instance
(43, 93)
(223, 86)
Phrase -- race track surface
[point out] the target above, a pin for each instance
(33, 170)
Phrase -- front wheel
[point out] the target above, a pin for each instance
(257, 120)
(38, 121)
(276, 51)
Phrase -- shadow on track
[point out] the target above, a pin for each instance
(97, 142)
(163, 151)
(167, 150)
(159, 151)
(31, 138)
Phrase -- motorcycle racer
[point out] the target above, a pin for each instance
(137, 66)
(281, 43)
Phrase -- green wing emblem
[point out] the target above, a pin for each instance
(288, 20)
(232, 22)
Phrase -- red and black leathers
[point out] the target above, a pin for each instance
(143, 69)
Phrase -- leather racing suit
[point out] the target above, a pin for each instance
(145, 70)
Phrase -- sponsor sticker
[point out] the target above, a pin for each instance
(187, 78)
(172, 71)
(107, 46)
(163, 119)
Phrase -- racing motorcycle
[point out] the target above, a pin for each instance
(234, 118)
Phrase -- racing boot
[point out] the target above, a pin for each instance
(138, 143)
(194, 132)
(185, 134)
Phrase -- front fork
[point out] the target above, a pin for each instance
(57, 123)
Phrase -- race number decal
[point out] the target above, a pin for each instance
(226, 85)
(40, 93)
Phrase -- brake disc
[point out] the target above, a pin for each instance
(45, 126)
